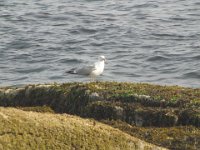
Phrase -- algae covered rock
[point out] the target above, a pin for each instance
(177, 137)
(32, 130)
(138, 106)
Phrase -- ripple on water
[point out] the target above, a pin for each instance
(197, 57)
(192, 74)
(70, 61)
(143, 41)
(30, 70)
(158, 58)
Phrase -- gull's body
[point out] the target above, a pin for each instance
(92, 70)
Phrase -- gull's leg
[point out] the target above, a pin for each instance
(91, 78)
(94, 78)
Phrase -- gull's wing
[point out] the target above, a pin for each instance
(86, 70)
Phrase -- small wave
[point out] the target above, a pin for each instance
(21, 57)
(56, 77)
(6, 15)
(192, 74)
(20, 78)
(197, 3)
(173, 36)
(19, 44)
(86, 30)
(97, 44)
(67, 61)
(42, 15)
(60, 18)
(146, 5)
(158, 58)
(196, 57)
(60, 24)
(40, 69)
(166, 35)
(169, 70)
(132, 75)
(178, 18)
(110, 19)
(119, 66)
(120, 56)
(126, 74)
(74, 31)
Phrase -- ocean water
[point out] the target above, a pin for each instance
(154, 41)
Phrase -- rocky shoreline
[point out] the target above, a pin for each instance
(168, 116)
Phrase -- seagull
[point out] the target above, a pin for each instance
(91, 70)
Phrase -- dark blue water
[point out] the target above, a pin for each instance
(156, 41)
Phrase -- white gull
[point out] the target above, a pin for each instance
(91, 70)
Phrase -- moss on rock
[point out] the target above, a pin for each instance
(31, 130)
(139, 105)
(177, 137)
(155, 105)
(41, 109)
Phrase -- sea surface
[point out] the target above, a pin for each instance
(154, 41)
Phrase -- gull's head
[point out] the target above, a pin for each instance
(102, 58)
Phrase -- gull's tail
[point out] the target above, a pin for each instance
(72, 71)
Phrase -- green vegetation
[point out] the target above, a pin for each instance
(146, 111)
